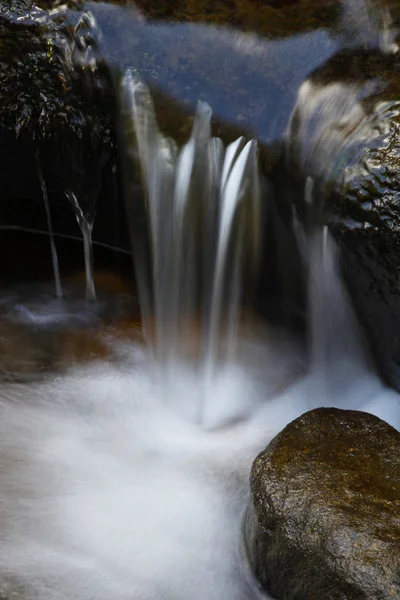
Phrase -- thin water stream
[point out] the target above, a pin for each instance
(53, 249)
(86, 226)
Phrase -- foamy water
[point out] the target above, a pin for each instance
(110, 490)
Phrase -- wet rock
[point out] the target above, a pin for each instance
(345, 134)
(324, 521)
(54, 113)
(272, 18)
(47, 74)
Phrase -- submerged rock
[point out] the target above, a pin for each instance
(324, 521)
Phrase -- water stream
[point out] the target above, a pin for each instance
(203, 206)
(120, 490)
(53, 249)
(127, 478)
(86, 226)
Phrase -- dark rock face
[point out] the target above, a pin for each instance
(55, 113)
(324, 522)
(345, 134)
(274, 18)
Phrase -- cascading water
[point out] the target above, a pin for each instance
(107, 492)
(204, 211)
(341, 370)
(203, 206)
(107, 489)
(366, 23)
(335, 337)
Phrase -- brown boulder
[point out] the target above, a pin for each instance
(324, 521)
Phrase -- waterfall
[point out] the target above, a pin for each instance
(335, 335)
(203, 215)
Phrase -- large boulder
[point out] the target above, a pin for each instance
(324, 518)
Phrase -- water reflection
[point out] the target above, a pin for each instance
(42, 334)
(249, 81)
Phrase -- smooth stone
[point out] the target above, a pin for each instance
(324, 517)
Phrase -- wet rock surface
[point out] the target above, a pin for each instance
(41, 334)
(324, 519)
(273, 18)
(345, 134)
(48, 116)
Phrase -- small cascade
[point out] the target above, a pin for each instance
(336, 338)
(342, 373)
(239, 215)
(203, 213)
(53, 249)
(335, 335)
(114, 461)
(86, 227)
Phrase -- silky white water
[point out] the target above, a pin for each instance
(111, 485)
(111, 490)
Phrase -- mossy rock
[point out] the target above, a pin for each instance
(324, 519)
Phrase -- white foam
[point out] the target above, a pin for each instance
(109, 492)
